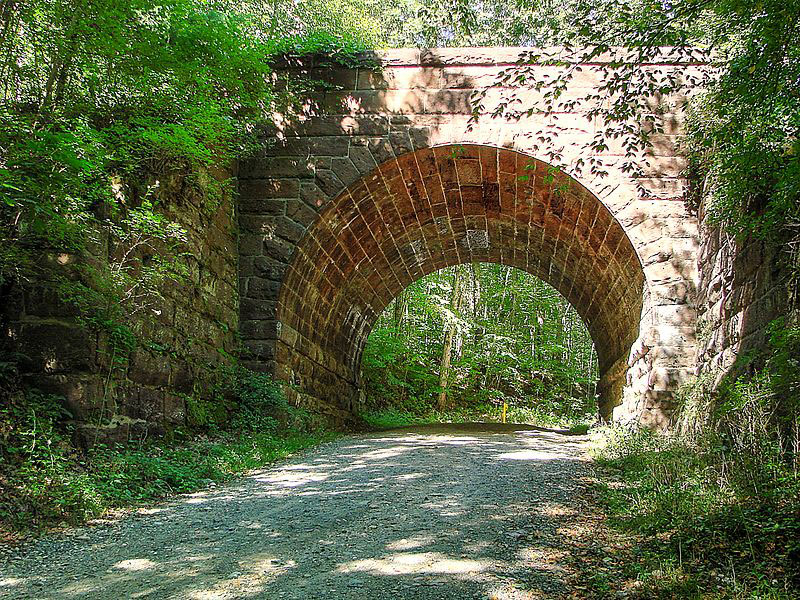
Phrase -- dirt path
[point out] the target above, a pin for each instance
(426, 513)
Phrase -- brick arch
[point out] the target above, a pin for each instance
(436, 207)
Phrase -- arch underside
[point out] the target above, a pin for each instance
(438, 207)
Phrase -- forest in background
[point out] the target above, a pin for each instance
(467, 339)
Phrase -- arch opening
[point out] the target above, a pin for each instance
(437, 207)
(497, 334)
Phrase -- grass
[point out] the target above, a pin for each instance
(484, 413)
(76, 488)
(45, 481)
(706, 531)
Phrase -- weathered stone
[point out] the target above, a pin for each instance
(52, 347)
(312, 194)
(174, 410)
(345, 170)
(328, 182)
(449, 102)
(263, 206)
(335, 76)
(362, 159)
(345, 125)
(119, 430)
(268, 268)
(257, 350)
(399, 79)
(379, 102)
(262, 289)
(42, 301)
(300, 212)
(382, 217)
(281, 167)
(278, 249)
(329, 145)
(146, 369)
(289, 230)
(255, 309)
(83, 393)
(268, 188)
(260, 330)
(283, 146)
(381, 149)
(400, 142)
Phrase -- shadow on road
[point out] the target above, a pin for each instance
(436, 511)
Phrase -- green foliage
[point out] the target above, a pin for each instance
(724, 490)
(123, 476)
(334, 28)
(36, 456)
(744, 127)
(461, 23)
(245, 401)
(205, 413)
(261, 403)
(743, 124)
(102, 102)
(109, 113)
(388, 418)
(45, 480)
(145, 252)
(696, 506)
(783, 364)
(516, 340)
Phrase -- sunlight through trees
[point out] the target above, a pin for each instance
(478, 335)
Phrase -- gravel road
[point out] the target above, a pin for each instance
(430, 513)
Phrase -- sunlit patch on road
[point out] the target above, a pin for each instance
(430, 514)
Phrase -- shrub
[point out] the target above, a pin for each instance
(44, 479)
(260, 402)
(723, 490)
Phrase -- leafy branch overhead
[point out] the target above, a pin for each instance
(103, 101)
(738, 89)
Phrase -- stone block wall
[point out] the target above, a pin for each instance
(379, 123)
(742, 289)
(179, 343)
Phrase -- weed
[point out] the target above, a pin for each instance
(45, 480)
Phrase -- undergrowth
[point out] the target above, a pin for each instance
(717, 502)
(45, 480)
(480, 413)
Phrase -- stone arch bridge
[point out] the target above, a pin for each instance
(390, 174)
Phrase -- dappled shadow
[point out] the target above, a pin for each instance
(397, 514)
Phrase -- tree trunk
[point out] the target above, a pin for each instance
(400, 304)
(64, 54)
(10, 22)
(449, 334)
(477, 336)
